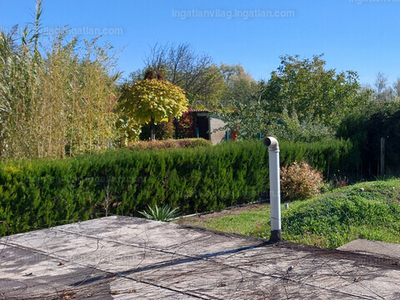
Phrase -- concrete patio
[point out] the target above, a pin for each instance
(130, 258)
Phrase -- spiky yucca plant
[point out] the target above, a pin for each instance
(164, 213)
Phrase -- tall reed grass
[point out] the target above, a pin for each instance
(56, 100)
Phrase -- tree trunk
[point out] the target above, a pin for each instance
(153, 130)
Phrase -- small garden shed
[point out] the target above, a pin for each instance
(201, 124)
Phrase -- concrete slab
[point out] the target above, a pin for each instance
(388, 250)
(130, 258)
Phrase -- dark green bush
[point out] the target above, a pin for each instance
(42, 193)
(330, 156)
(365, 128)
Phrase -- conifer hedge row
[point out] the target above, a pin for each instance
(43, 193)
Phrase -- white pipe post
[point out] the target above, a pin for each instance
(274, 189)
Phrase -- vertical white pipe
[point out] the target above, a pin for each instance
(275, 188)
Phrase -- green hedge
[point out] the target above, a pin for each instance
(365, 128)
(43, 193)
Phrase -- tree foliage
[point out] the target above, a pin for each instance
(307, 88)
(197, 74)
(246, 119)
(152, 101)
(240, 86)
(302, 101)
(396, 88)
(383, 92)
(157, 100)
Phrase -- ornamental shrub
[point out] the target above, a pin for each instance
(166, 144)
(300, 181)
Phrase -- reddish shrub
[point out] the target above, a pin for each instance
(166, 144)
(185, 127)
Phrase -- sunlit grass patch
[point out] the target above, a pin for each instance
(368, 210)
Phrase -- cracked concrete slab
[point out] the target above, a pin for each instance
(129, 258)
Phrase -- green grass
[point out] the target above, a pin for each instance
(252, 223)
(368, 210)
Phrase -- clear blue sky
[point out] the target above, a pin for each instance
(359, 35)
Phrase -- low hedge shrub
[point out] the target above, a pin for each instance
(43, 193)
(166, 144)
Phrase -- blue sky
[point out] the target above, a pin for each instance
(358, 35)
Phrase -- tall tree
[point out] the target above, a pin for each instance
(380, 82)
(301, 101)
(396, 87)
(307, 88)
(240, 85)
(152, 100)
(383, 91)
(197, 74)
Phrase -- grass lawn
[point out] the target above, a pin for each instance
(368, 210)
